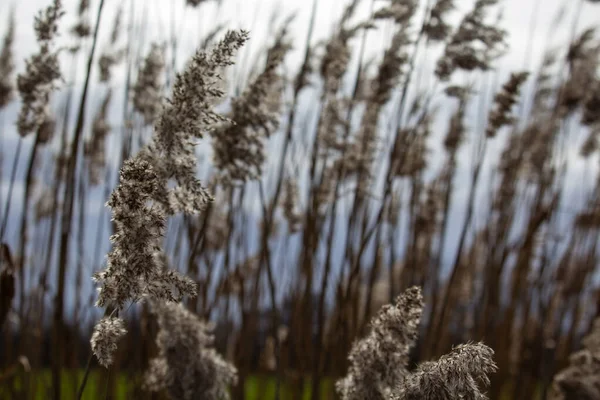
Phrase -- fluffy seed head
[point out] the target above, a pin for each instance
(107, 334)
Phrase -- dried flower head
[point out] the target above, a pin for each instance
(95, 148)
(454, 376)
(337, 51)
(436, 28)
(47, 128)
(187, 366)
(147, 92)
(474, 45)
(290, 205)
(7, 65)
(410, 149)
(137, 266)
(583, 60)
(82, 28)
(41, 72)
(107, 334)
(504, 101)
(186, 117)
(364, 149)
(238, 144)
(379, 361)
(46, 22)
(581, 379)
(106, 62)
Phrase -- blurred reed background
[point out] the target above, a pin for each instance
(372, 151)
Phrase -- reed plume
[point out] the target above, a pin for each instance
(42, 72)
(7, 64)
(136, 265)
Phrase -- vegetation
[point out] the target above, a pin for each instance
(361, 224)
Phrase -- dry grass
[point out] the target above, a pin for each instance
(327, 190)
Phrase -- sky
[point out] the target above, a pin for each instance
(518, 18)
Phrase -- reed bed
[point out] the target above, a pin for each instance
(387, 212)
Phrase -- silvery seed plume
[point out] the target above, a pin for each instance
(436, 28)
(583, 59)
(187, 116)
(111, 56)
(412, 156)
(47, 128)
(544, 84)
(581, 379)
(333, 67)
(136, 265)
(147, 91)
(7, 64)
(107, 334)
(364, 148)
(455, 376)
(42, 71)
(94, 148)
(379, 361)
(464, 50)
(401, 11)
(82, 28)
(503, 102)
(238, 144)
(337, 51)
(187, 366)
(290, 205)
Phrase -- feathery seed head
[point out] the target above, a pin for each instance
(581, 379)
(504, 101)
(7, 64)
(107, 334)
(42, 71)
(147, 92)
(379, 361)
(474, 45)
(436, 28)
(187, 366)
(238, 143)
(454, 376)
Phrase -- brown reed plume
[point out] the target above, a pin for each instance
(136, 266)
(378, 363)
(7, 65)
